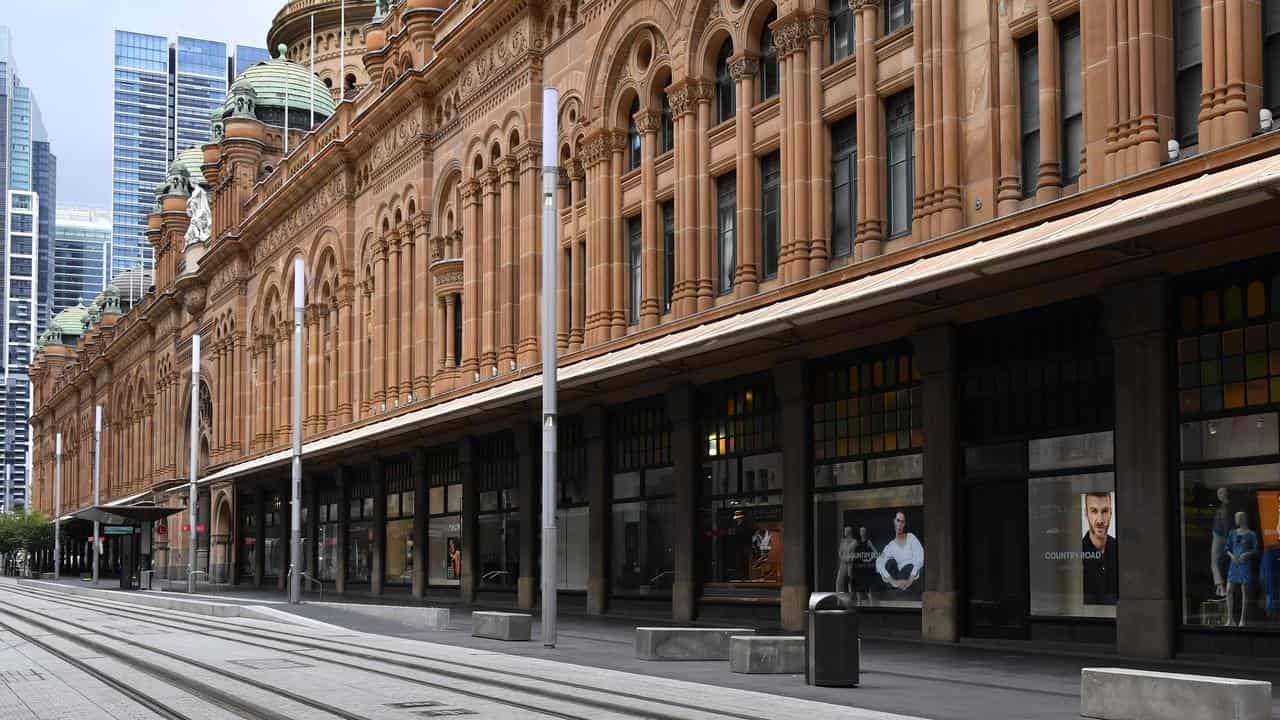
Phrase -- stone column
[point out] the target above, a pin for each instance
(311, 533)
(345, 347)
(282, 572)
(470, 524)
(791, 383)
(471, 279)
(706, 219)
(344, 527)
(391, 298)
(528, 490)
(489, 276)
(684, 296)
(419, 460)
(575, 280)
(404, 347)
(421, 371)
(377, 360)
(617, 303)
(1138, 322)
(819, 150)
(743, 68)
(647, 123)
(869, 240)
(686, 464)
(1049, 182)
(936, 357)
(311, 347)
(450, 351)
(528, 208)
(377, 478)
(262, 397)
(598, 509)
(506, 265)
(1008, 190)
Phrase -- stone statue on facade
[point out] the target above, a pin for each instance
(201, 218)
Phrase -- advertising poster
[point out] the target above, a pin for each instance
(1074, 553)
(882, 551)
(453, 559)
(750, 542)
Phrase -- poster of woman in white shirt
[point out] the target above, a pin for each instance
(897, 574)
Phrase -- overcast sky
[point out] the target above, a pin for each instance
(63, 49)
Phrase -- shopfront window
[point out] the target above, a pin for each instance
(399, 549)
(444, 522)
(328, 542)
(273, 543)
(740, 501)
(573, 539)
(360, 533)
(498, 541)
(1228, 360)
(642, 500)
(1073, 557)
(868, 502)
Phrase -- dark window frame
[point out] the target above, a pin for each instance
(842, 24)
(1029, 113)
(726, 87)
(900, 124)
(844, 154)
(1071, 107)
(1187, 59)
(769, 82)
(635, 266)
(668, 210)
(726, 231)
(770, 214)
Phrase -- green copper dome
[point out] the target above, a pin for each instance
(275, 80)
(193, 159)
(70, 322)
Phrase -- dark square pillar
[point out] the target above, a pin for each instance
(379, 570)
(791, 385)
(528, 484)
(936, 357)
(419, 523)
(236, 536)
(598, 510)
(470, 524)
(1137, 320)
(344, 527)
(260, 522)
(687, 468)
(311, 533)
(285, 518)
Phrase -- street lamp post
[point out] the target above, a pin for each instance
(192, 512)
(295, 507)
(57, 506)
(97, 450)
(550, 252)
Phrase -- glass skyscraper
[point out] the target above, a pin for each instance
(28, 175)
(80, 253)
(165, 94)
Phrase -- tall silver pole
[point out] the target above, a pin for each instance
(193, 513)
(342, 50)
(97, 475)
(311, 80)
(295, 507)
(57, 506)
(550, 252)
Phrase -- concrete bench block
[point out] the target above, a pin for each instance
(1122, 694)
(766, 654)
(418, 617)
(672, 643)
(501, 625)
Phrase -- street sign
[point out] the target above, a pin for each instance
(118, 530)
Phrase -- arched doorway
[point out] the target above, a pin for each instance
(220, 540)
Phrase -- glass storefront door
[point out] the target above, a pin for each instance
(995, 520)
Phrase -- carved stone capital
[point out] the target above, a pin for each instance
(791, 36)
(530, 156)
(743, 66)
(680, 100)
(648, 121)
(509, 168)
(470, 191)
(702, 91)
(857, 5)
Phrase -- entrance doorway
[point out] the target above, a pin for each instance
(995, 521)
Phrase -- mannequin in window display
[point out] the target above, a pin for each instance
(1218, 550)
(1242, 546)
(902, 558)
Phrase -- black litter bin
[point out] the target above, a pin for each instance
(831, 659)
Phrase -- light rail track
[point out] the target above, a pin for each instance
(464, 678)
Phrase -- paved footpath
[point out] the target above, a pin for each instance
(315, 670)
(899, 677)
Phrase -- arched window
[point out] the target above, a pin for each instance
(726, 103)
(768, 60)
(633, 136)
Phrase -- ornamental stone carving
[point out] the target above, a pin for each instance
(199, 216)
(648, 121)
(743, 66)
(680, 100)
(791, 37)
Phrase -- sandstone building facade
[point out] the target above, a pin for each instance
(938, 302)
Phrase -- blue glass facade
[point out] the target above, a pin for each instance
(164, 95)
(246, 56)
(80, 256)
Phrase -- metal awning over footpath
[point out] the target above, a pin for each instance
(114, 504)
(1123, 219)
(132, 515)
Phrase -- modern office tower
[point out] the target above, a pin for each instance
(28, 175)
(81, 250)
(165, 92)
(21, 253)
